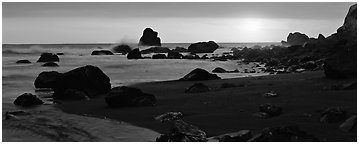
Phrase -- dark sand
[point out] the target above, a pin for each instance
(225, 110)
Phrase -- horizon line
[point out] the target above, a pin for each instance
(127, 43)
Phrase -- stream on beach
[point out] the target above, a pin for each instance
(19, 78)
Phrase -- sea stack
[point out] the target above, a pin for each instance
(149, 38)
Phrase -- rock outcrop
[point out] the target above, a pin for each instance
(343, 48)
(203, 47)
(149, 38)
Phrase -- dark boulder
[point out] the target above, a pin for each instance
(27, 99)
(46, 79)
(297, 38)
(203, 47)
(60, 53)
(89, 79)
(183, 132)
(155, 50)
(101, 52)
(219, 70)
(149, 38)
(333, 115)
(48, 57)
(50, 64)
(128, 96)
(123, 49)
(283, 134)
(174, 55)
(198, 75)
(134, 54)
(23, 62)
(197, 88)
(159, 56)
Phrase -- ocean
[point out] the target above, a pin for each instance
(19, 78)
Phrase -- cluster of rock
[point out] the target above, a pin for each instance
(335, 54)
(183, 132)
(49, 60)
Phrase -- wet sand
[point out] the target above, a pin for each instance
(48, 124)
(225, 110)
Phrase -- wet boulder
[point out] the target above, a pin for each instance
(101, 52)
(183, 132)
(333, 115)
(174, 55)
(149, 38)
(50, 64)
(197, 88)
(48, 57)
(46, 79)
(89, 79)
(134, 54)
(219, 70)
(128, 96)
(283, 134)
(203, 47)
(23, 62)
(199, 75)
(27, 99)
(159, 56)
(123, 49)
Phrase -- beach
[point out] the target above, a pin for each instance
(303, 98)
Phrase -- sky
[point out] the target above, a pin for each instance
(120, 22)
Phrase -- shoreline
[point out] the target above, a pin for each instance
(228, 110)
